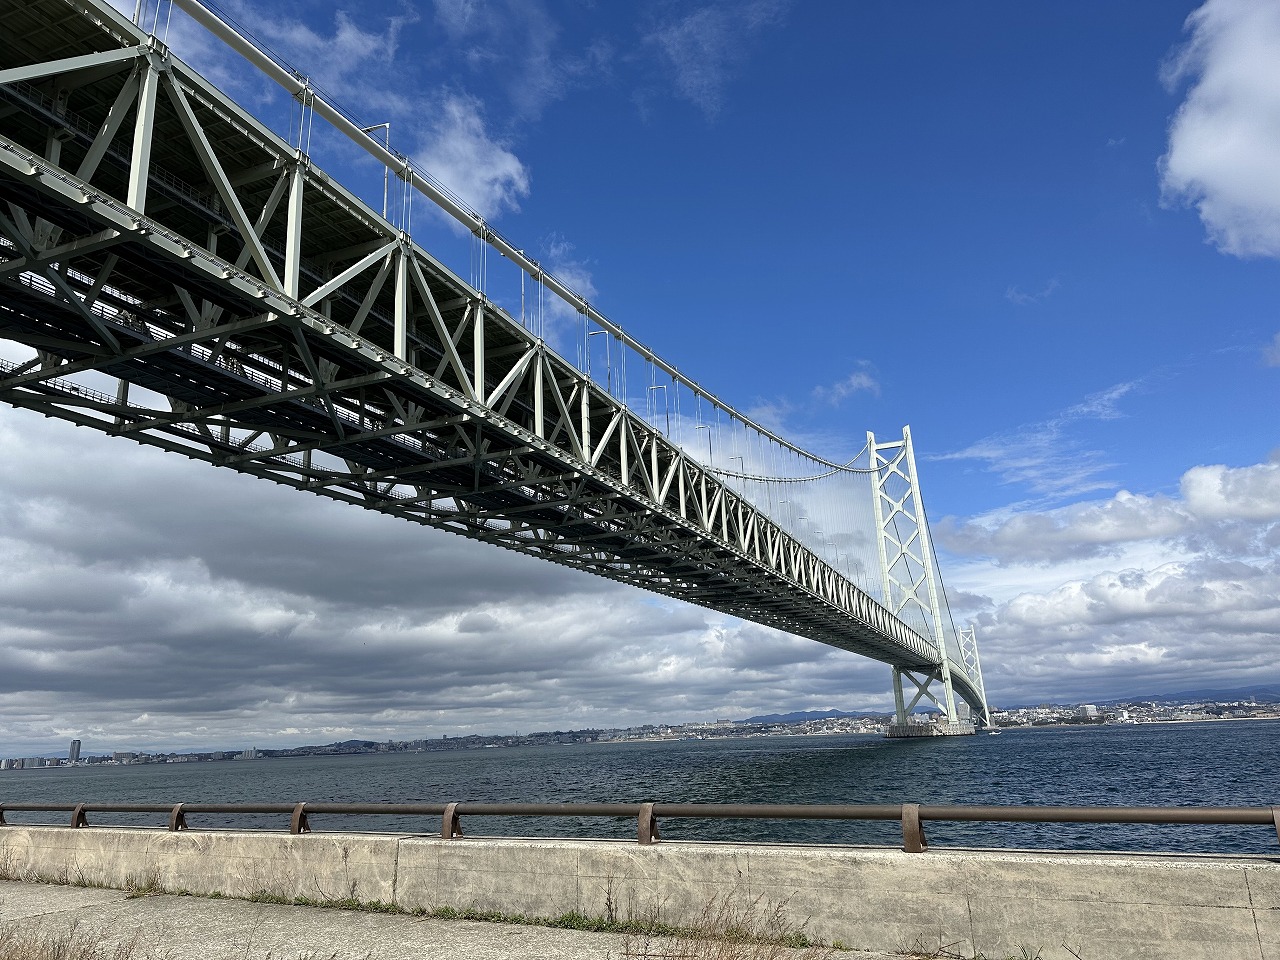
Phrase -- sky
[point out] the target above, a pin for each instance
(1045, 236)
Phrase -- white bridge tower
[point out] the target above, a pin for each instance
(912, 591)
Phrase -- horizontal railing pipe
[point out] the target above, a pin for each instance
(911, 815)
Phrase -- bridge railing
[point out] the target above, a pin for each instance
(912, 816)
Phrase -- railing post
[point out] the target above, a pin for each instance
(450, 824)
(298, 823)
(1275, 818)
(913, 840)
(2, 823)
(177, 819)
(78, 818)
(647, 826)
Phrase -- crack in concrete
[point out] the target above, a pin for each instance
(1253, 912)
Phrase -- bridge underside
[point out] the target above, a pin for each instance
(188, 280)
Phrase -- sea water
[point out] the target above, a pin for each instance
(1225, 763)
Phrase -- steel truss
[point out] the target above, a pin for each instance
(250, 312)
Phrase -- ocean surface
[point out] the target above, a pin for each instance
(1193, 764)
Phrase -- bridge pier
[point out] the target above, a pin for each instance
(903, 726)
(956, 728)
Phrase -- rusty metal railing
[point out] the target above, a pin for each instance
(912, 816)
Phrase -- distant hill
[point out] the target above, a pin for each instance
(800, 716)
(1263, 693)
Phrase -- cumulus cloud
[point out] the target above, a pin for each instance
(340, 62)
(1224, 138)
(1131, 594)
(1220, 510)
(445, 129)
(1082, 530)
(1221, 493)
(1186, 623)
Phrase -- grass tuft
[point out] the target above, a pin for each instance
(69, 945)
(947, 951)
(730, 927)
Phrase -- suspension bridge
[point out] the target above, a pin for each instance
(176, 272)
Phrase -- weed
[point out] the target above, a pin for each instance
(68, 945)
(146, 885)
(918, 951)
(731, 928)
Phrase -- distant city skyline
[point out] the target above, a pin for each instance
(1036, 233)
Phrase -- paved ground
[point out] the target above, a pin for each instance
(194, 928)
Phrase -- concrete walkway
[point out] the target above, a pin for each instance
(195, 928)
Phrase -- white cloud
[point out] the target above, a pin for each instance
(1221, 511)
(1131, 594)
(1221, 493)
(862, 379)
(559, 259)
(343, 63)
(701, 48)
(1081, 530)
(1044, 456)
(1224, 140)
(1192, 623)
(1271, 352)
(456, 149)
(518, 43)
(1015, 295)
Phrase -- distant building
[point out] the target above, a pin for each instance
(1086, 710)
(73, 754)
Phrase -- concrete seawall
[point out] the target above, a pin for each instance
(985, 903)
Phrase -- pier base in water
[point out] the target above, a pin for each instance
(958, 728)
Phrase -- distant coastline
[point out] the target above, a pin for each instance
(837, 723)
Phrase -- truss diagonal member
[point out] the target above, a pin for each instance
(53, 68)
(14, 230)
(221, 410)
(147, 349)
(82, 246)
(110, 127)
(447, 342)
(313, 369)
(513, 377)
(393, 430)
(357, 268)
(213, 169)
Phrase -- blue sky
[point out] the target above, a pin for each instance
(1043, 235)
